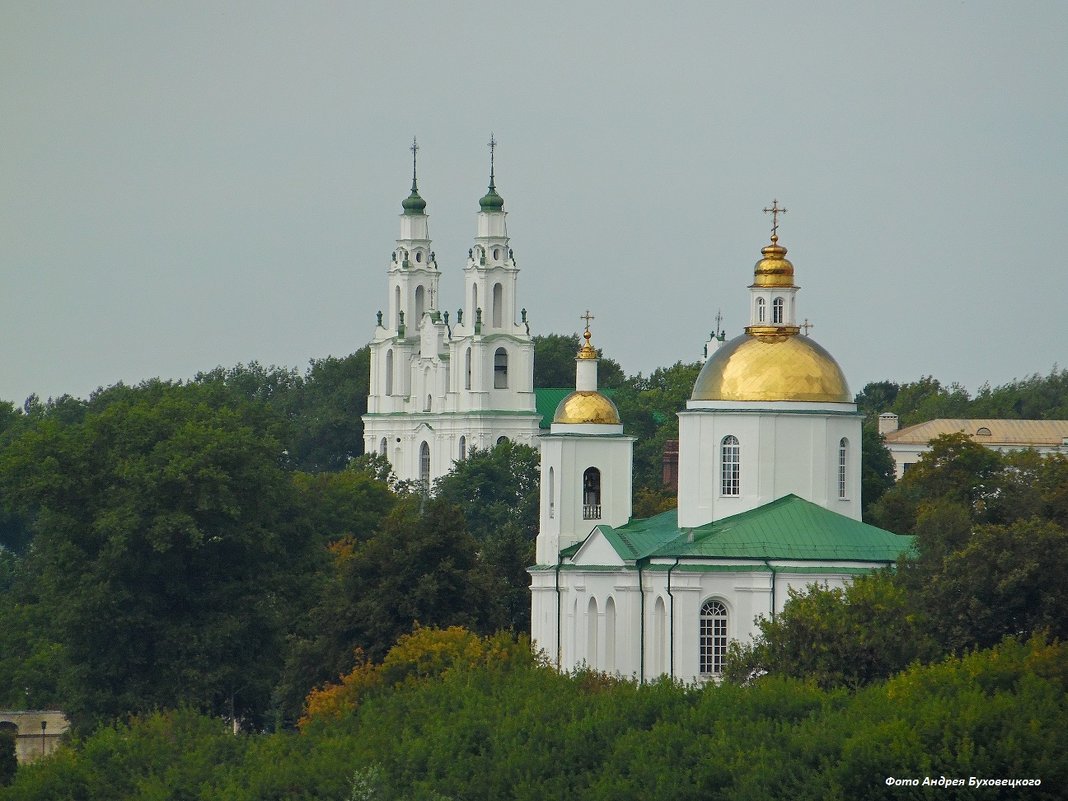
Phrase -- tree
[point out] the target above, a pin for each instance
(165, 560)
(876, 468)
(554, 363)
(837, 637)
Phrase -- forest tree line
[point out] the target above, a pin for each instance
(223, 545)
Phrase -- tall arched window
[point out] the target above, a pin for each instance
(713, 637)
(500, 369)
(659, 637)
(730, 466)
(382, 447)
(552, 493)
(420, 303)
(424, 465)
(610, 635)
(843, 456)
(463, 448)
(498, 304)
(389, 371)
(761, 316)
(776, 311)
(467, 369)
(591, 633)
(591, 494)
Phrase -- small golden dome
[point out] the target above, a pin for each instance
(772, 368)
(774, 269)
(587, 407)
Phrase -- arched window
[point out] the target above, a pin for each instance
(389, 371)
(983, 431)
(843, 456)
(730, 467)
(760, 310)
(498, 304)
(424, 465)
(419, 255)
(713, 637)
(500, 369)
(591, 494)
(610, 635)
(429, 399)
(463, 448)
(467, 369)
(591, 633)
(659, 637)
(552, 493)
(382, 446)
(420, 302)
(496, 253)
(776, 311)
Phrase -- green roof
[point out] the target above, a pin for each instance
(789, 528)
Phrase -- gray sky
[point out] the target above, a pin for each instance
(184, 184)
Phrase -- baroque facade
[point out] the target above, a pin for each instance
(439, 388)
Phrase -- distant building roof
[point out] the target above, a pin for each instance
(997, 432)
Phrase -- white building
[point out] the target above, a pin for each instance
(440, 388)
(907, 444)
(769, 499)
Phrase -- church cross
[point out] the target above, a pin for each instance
(587, 317)
(415, 149)
(775, 211)
(719, 319)
(807, 325)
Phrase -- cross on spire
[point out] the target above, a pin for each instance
(415, 149)
(807, 325)
(492, 146)
(587, 317)
(775, 211)
(719, 320)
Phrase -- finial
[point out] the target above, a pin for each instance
(379, 318)
(415, 149)
(774, 211)
(491, 201)
(807, 325)
(587, 351)
(719, 321)
(414, 204)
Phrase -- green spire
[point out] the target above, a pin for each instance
(413, 204)
(491, 201)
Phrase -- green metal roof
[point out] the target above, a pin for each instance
(789, 528)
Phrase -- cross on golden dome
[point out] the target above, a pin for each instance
(775, 211)
(587, 351)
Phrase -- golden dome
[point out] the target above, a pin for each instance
(774, 269)
(587, 406)
(772, 368)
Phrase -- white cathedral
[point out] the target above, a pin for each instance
(440, 388)
(768, 500)
(769, 462)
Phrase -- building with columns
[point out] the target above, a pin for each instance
(441, 387)
(768, 500)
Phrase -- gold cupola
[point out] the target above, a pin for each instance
(772, 360)
(586, 405)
